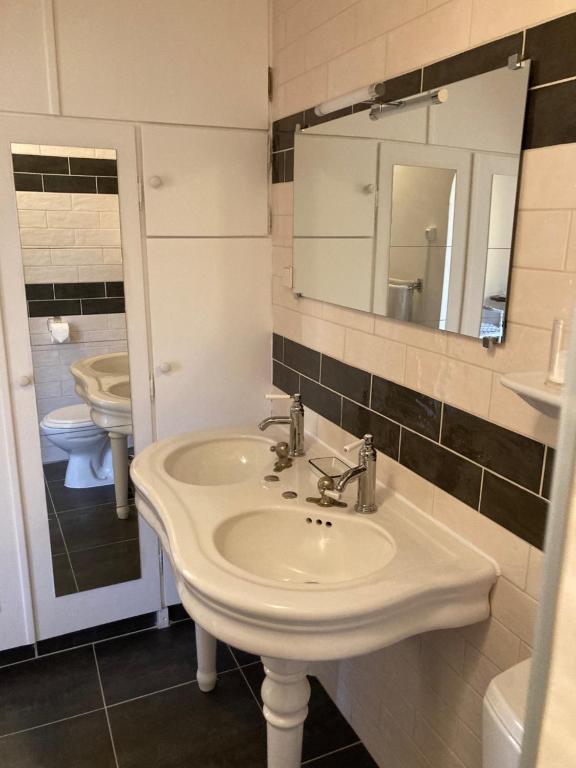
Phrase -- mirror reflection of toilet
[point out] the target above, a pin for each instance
(88, 447)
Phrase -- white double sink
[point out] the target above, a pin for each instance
(289, 580)
(103, 382)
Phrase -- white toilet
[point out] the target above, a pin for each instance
(88, 446)
(503, 717)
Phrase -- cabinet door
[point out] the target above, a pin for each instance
(205, 182)
(196, 62)
(211, 332)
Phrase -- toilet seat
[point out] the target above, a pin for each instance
(69, 417)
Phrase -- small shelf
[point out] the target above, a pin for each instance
(532, 388)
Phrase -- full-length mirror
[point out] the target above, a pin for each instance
(68, 211)
(407, 210)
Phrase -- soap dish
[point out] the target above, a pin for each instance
(330, 466)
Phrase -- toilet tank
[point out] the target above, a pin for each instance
(503, 717)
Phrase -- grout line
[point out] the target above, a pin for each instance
(481, 489)
(241, 670)
(66, 550)
(543, 472)
(553, 82)
(52, 722)
(333, 752)
(101, 546)
(105, 708)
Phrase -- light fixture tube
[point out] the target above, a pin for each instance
(348, 99)
(379, 111)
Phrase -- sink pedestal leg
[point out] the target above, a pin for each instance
(119, 445)
(206, 655)
(285, 692)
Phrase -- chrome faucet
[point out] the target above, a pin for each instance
(364, 473)
(295, 420)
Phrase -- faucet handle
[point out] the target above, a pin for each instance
(273, 396)
(336, 495)
(364, 441)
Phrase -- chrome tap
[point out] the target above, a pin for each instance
(295, 420)
(364, 473)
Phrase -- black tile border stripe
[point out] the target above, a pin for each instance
(53, 173)
(52, 299)
(458, 460)
(551, 58)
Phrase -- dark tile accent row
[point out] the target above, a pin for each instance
(551, 116)
(516, 457)
(476, 61)
(453, 449)
(551, 48)
(96, 634)
(51, 299)
(448, 471)
(514, 508)
(13, 655)
(46, 173)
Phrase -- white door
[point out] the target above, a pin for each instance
(57, 615)
(205, 182)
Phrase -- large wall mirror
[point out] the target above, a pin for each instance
(68, 213)
(410, 214)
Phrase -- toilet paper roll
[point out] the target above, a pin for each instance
(59, 331)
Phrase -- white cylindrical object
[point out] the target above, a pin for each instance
(352, 446)
(59, 330)
(347, 100)
(558, 353)
(273, 396)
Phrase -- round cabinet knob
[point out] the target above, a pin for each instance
(369, 189)
(155, 181)
(165, 367)
(24, 381)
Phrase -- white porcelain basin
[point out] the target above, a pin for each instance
(304, 547)
(254, 573)
(219, 462)
(103, 382)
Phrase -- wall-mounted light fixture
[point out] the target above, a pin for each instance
(379, 111)
(354, 97)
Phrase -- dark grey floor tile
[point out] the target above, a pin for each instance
(13, 655)
(64, 583)
(325, 728)
(177, 612)
(243, 657)
(353, 757)
(56, 470)
(56, 541)
(185, 728)
(96, 526)
(107, 565)
(83, 742)
(47, 689)
(97, 634)
(65, 499)
(150, 661)
(49, 506)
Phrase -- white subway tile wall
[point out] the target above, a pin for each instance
(419, 703)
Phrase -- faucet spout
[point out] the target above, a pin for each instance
(354, 473)
(265, 423)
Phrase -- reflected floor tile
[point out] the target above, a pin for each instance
(96, 526)
(185, 727)
(56, 541)
(325, 728)
(83, 742)
(150, 661)
(56, 470)
(103, 566)
(64, 583)
(47, 689)
(65, 499)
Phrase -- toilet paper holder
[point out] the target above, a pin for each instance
(59, 330)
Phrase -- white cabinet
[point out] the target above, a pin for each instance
(23, 67)
(202, 62)
(205, 182)
(210, 310)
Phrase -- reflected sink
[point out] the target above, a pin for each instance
(219, 462)
(304, 547)
(115, 364)
(122, 389)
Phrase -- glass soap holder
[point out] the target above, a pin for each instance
(330, 466)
